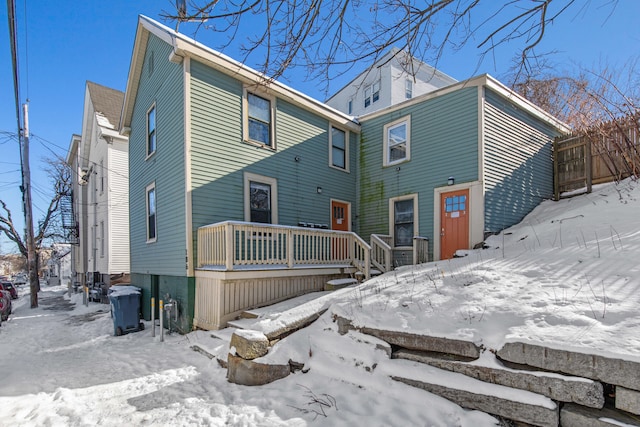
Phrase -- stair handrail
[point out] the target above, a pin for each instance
(381, 252)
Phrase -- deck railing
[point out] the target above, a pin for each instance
(233, 245)
(382, 251)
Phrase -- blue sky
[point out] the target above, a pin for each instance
(63, 44)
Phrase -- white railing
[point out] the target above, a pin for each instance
(233, 245)
(381, 252)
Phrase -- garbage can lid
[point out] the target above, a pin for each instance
(116, 291)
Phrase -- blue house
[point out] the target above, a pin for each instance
(244, 192)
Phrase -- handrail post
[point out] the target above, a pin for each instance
(290, 250)
(229, 245)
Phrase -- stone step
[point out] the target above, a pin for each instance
(610, 370)
(335, 284)
(555, 386)
(518, 405)
(578, 416)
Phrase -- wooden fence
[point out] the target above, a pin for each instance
(610, 152)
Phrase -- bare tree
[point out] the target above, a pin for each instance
(324, 34)
(49, 228)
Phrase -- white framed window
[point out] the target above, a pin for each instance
(258, 119)
(408, 88)
(403, 219)
(151, 130)
(397, 141)
(101, 176)
(367, 96)
(350, 106)
(260, 199)
(151, 217)
(375, 91)
(338, 149)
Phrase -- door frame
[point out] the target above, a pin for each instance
(348, 213)
(475, 214)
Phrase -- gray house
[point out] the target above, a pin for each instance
(244, 192)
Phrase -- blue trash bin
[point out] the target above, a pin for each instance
(125, 309)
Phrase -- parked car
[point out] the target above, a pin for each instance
(8, 286)
(20, 279)
(5, 305)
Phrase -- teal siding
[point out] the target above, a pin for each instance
(219, 157)
(164, 86)
(518, 164)
(444, 142)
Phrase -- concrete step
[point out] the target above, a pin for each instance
(578, 416)
(513, 404)
(555, 386)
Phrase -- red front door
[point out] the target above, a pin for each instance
(340, 221)
(454, 222)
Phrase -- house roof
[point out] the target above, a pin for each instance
(184, 46)
(388, 56)
(106, 101)
(482, 80)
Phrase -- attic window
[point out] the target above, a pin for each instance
(408, 89)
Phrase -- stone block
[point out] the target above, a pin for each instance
(628, 400)
(543, 416)
(584, 392)
(249, 372)
(606, 369)
(578, 416)
(249, 344)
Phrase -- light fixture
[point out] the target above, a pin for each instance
(319, 190)
(451, 180)
(296, 158)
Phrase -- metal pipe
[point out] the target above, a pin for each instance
(153, 317)
(161, 306)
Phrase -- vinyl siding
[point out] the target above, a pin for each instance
(117, 180)
(444, 142)
(165, 256)
(219, 157)
(518, 163)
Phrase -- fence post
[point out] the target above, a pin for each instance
(588, 164)
(556, 175)
(290, 250)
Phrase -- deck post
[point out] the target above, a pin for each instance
(290, 250)
(229, 245)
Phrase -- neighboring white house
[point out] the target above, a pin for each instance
(58, 270)
(394, 78)
(100, 163)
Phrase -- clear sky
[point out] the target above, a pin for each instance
(63, 44)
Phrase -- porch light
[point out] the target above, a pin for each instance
(451, 180)
(319, 190)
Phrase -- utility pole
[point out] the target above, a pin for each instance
(32, 260)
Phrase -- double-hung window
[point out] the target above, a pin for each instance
(404, 219)
(151, 213)
(261, 199)
(367, 96)
(397, 141)
(151, 130)
(258, 120)
(371, 93)
(408, 88)
(339, 149)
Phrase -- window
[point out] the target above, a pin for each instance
(350, 106)
(367, 96)
(261, 199)
(376, 91)
(339, 149)
(151, 213)
(151, 130)
(404, 219)
(258, 117)
(101, 176)
(397, 141)
(408, 89)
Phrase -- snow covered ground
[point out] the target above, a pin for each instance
(568, 276)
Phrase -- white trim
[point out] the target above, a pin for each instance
(148, 189)
(188, 195)
(416, 222)
(476, 213)
(155, 131)
(481, 123)
(346, 148)
(348, 210)
(273, 182)
(261, 93)
(385, 139)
